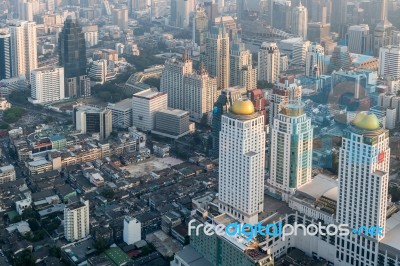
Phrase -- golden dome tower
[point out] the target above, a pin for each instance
(243, 107)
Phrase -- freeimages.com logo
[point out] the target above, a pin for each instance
(249, 231)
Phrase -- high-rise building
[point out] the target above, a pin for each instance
(300, 21)
(120, 18)
(172, 123)
(121, 113)
(318, 32)
(217, 55)
(6, 70)
(359, 40)
(172, 80)
(248, 77)
(239, 57)
(92, 119)
(282, 14)
(47, 84)
(200, 28)
(340, 59)
(222, 106)
(315, 61)
(25, 9)
(299, 53)
(76, 220)
(23, 47)
(180, 12)
(319, 10)
(98, 71)
(256, 96)
(383, 30)
(389, 62)
(159, 8)
(136, 5)
(72, 56)
(144, 106)
(339, 15)
(290, 151)
(363, 180)
(268, 62)
(241, 162)
(200, 94)
(211, 9)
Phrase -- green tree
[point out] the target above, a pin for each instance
(25, 258)
(4, 125)
(395, 193)
(55, 252)
(108, 193)
(101, 245)
(13, 114)
(154, 82)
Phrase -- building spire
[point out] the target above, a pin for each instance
(185, 56)
(202, 69)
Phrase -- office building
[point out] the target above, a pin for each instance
(7, 174)
(144, 106)
(363, 183)
(340, 59)
(299, 53)
(98, 71)
(300, 21)
(132, 230)
(230, 25)
(318, 32)
(25, 9)
(241, 162)
(92, 119)
(383, 30)
(6, 70)
(47, 85)
(76, 220)
(389, 62)
(359, 40)
(211, 9)
(121, 113)
(120, 18)
(290, 151)
(201, 93)
(91, 35)
(72, 56)
(180, 13)
(217, 55)
(319, 10)
(222, 106)
(248, 77)
(23, 48)
(315, 61)
(136, 5)
(172, 123)
(239, 57)
(282, 15)
(172, 80)
(339, 15)
(200, 28)
(268, 62)
(159, 8)
(286, 90)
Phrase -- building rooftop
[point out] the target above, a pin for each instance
(192, 257)
(321, 186)
(6, 169)
(392, 235)
(124, 105)
(176, 112)
(243, 107)
(366, 121)
(148, 94)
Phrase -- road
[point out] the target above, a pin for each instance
(35, 110)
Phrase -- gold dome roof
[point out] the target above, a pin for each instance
(242, 107)
(365, 121)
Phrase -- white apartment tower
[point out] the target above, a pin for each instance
(363, 187)
(217, 55)
(76, 220)
(290, 151)
(144, 106)
(172, 80)
(315, 61)
(300, 21)
(47, 84)
(23, 47)
(248, 77)
(239, 57)
(242, 162)
(389, 62)
(200, 94)
(268, 62)
(132, 230)
(359, 40)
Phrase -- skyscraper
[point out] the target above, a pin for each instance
(217, 55)
(268, 62)
(359, 40)
(180, 12)
(72, 53)
(120, 18)
(281, 14)
(23, 47)
(200, 28)
(76, 220)
(290, 150)
(300, 21)
(239, 57)
(383, 30)
(47, 84)
(315, 61)
(363, 184)
(6, 70)
(340, 59)
(172, 80)
(248, 77)
(339, 15)
(200, 94)
(389, 62)
(241, 163)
